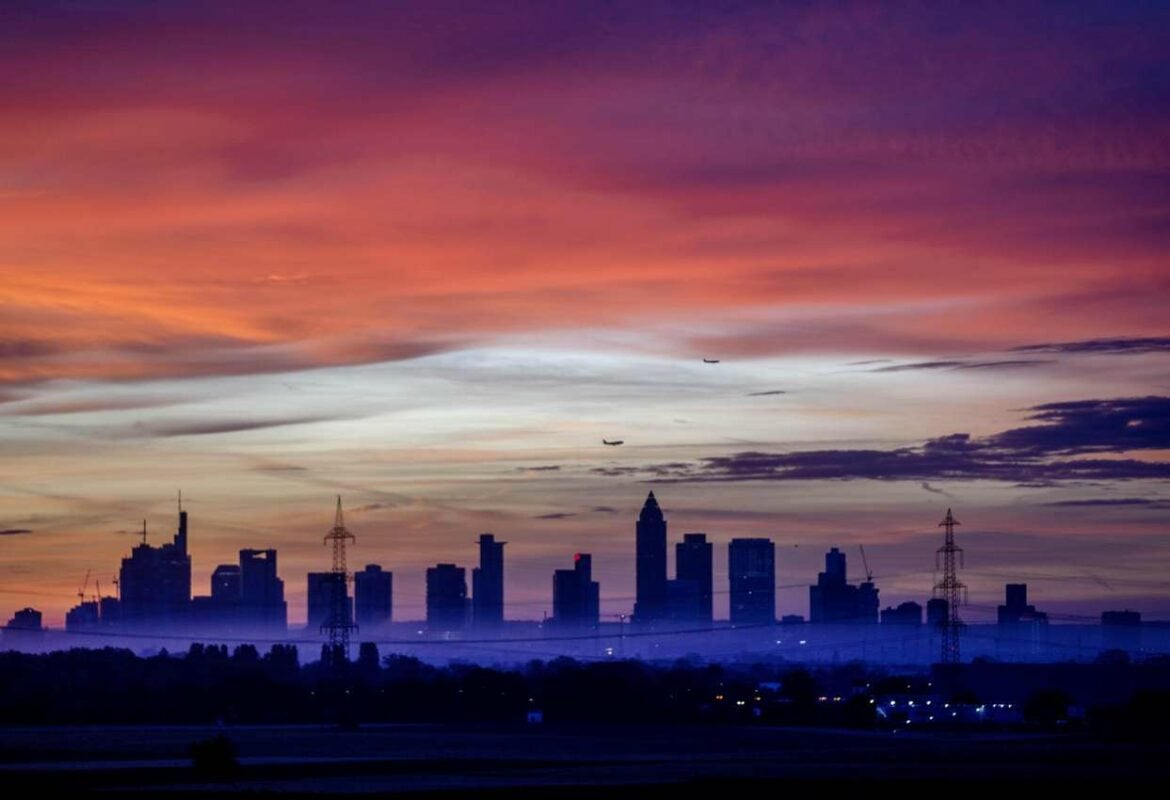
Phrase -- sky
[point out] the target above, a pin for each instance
(426, 256)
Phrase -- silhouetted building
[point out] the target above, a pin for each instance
(85, 616)
(26, 619)
(155, 582)
(1121, 630)
(576, 596)
(373, 590)
(908, 613)
(751, 572)
(1015, 610)
(225, 584)
(261, 591)
(322, 588)
(446, 597)
(650, 563)
(834, 599)
(693, 566)
(937, 612)
(24, 630)
(487, 583)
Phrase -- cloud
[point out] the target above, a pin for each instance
(212, 427)
(1110, 346)
(1034, 455)
(277, 467)
(603, 510)
(928, 488)
(14, 531)
(543, 468)
(767, 393)
(558, 515)
(371, 507)
(53, 407)
(1111, 501)
(1002, 364)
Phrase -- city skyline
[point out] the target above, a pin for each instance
(154, 592)
(823, 270)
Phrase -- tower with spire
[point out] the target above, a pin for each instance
(650, 604)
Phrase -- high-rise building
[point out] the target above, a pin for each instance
(576, 596)
(155, 582)
(834, 599)
(751, 569)
(446, 597)
(261, 591)
(373, 590)
(908, 613)
(1015, 610)
(487, 583)
(322, 588)
(225, 584)
(693, 565)
(650, 563)
(937, 612)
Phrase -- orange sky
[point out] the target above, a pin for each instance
(451, 243)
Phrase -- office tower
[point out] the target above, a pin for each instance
(650, 563)
(322, 586)
(225, 584)
(1015, 610)
(908, 613)
(446, 597)
(693, 566)
(261, 591)
(487, 583)
(937, 612)
(373, 590)
(751, 568)
(834, 599)
(1121, 630)
(155, 582)
(576, 596)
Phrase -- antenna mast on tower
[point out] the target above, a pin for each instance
(340, 622)
(951, 589)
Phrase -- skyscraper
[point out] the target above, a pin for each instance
(261, 591)
(650, 563)
(373, 590)
(576, 596)
(322, 586)
(834, 599)
(446, 597)
(487, 583)
(155, 582)
(751, 568)
(693, 564)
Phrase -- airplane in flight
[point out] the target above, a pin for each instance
(614, 443)
(710, 361)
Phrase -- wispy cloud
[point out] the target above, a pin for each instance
(1141, 502)
(1030, 455)
(1016, 363)
(14, 531)
(768, 393)
(213, 427)
(1110, 346)
(556, 515)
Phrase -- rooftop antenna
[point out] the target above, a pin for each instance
(180, 501)
(144, 531)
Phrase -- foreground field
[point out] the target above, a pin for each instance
(577, 761)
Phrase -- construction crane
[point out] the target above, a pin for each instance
(865, 563)
(84, 586)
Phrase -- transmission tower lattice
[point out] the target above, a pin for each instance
(340, 623)
(950, 589)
